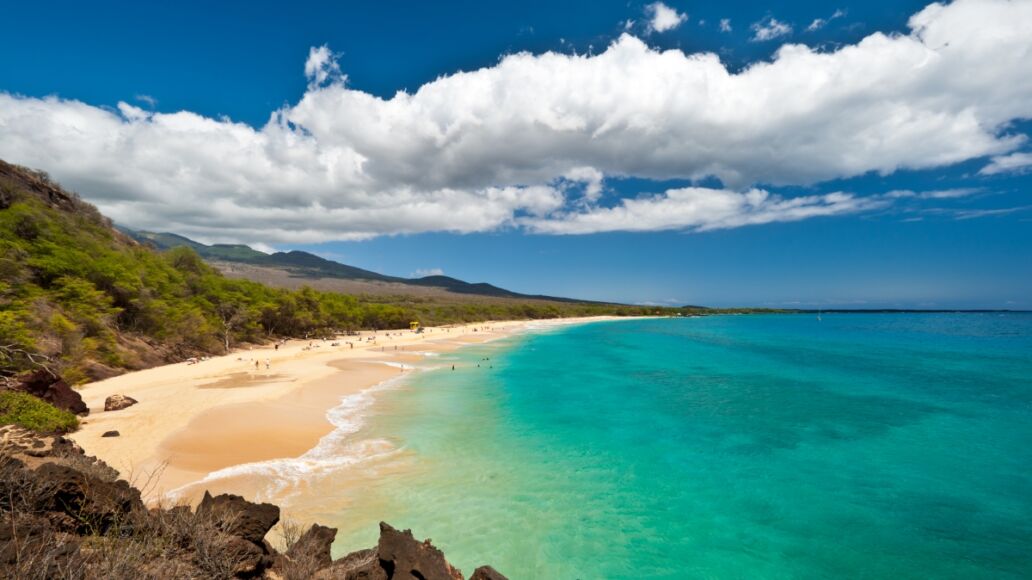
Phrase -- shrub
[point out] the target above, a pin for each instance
(33, 413)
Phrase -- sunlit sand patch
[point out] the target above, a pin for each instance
(245, 379)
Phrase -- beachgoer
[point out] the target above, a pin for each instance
(255, 365)
(267, 363)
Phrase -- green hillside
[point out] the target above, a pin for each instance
(87, 301)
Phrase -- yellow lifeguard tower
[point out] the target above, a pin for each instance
(414, 326)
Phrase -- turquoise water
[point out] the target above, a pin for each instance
(860, 446)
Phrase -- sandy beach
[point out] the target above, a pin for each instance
(194, 419)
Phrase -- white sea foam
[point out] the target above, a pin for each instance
(334, 451)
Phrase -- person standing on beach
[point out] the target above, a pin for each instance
(267, 363)
(255, 364)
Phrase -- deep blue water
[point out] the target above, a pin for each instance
(774, 446)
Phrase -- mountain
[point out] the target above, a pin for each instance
(303, 265)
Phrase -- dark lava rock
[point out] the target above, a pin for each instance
(92, 503)
(250, 521)
(487, 573)
(405, 558)
(53, 390)
(360, 565)
(111, 434)
(118, 402)
(314, 546)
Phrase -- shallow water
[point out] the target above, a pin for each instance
(862, 445)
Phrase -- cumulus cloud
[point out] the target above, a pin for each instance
(725, 25)
(769, 28)
(663, 18)
(819, 23)
(322, 67)
(1013, 163)
(499, 147)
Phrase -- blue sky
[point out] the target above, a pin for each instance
(920, 221)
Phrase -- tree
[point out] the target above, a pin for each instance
(233, 314)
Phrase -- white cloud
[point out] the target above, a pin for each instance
(1013, 163)
(700, 209)
(322, 67)
(725, 25)
(769, 28)
(934, 194)
(493, 148)
(663, 18)
(981, 213)
(591, 178)
(423, 273)
(147, 99)
(819, 23)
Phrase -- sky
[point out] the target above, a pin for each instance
(793, 154)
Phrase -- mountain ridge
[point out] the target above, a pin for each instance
(303, 264)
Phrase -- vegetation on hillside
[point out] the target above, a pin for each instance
(24, 410)
(86, 301)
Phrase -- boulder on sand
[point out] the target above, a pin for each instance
(118, 402)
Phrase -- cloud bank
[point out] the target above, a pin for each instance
(527, 143)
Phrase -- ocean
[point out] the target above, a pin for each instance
(763, 446)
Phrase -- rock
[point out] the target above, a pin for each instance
(403, 557)
(250, 521)
(53, 390)
(487, 573)
(360, 565)
(247, 559)
(111, 434)
(118, 402)
(26, 539)
(67, 500)
(314, 546)
(92, 503)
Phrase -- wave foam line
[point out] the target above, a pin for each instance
(331, 453)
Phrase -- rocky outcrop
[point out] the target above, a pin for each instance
(118, 402)
(402, 556)
(314, 546)
(486, 573)
(64, 514)
(53, 390)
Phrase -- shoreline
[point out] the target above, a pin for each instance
(193, 420)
